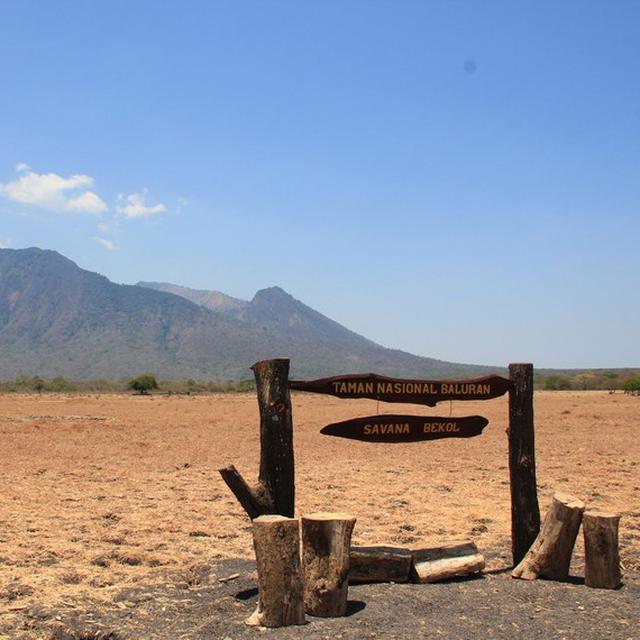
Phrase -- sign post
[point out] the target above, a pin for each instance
(525, 512)
(274, 492)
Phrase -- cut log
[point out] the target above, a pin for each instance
(601, 552)
(525, 512)
(326, 541)
(276, 541)
(379, 563)
(451, 560)
(550, 553)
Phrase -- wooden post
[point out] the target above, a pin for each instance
(275, 490)
(525, 512)
(601, 553)
(276, 541)
(550, 554)
(326, 541)
(276, 433)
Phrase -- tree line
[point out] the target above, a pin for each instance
(628, 381)
(143, 383)
(590, 381)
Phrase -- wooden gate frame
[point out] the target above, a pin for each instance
(275, 490)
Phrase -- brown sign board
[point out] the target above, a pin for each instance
(429, 392)
(399, 428)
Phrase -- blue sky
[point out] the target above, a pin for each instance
(456, 179)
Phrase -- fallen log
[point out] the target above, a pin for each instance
(453, 559)
(601, 552)
(326, 541)
(550, 553)
(379, 563)
(276, 541)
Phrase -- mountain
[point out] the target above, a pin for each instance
(213, 300)
(59, 319)
(271, 309)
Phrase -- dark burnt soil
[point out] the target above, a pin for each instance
(201, 605)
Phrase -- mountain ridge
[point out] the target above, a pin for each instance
(59, 319)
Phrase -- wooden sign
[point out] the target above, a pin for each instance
(427, 392)
(398, 428)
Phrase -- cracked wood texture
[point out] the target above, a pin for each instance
(525, 511)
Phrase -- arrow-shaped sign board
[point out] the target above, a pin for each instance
(399, 428)
(429, 392)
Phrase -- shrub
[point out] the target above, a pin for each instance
(632, 385)
(143, 384)
(556, 383)
(61, 384)
(38, 384)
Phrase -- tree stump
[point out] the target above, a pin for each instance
(550, 553)
(379, 563)
(276, 541)
(445, 561)
(601, 553)
(326, 542)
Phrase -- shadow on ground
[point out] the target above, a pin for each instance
(491, 606)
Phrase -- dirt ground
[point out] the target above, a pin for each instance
(112, 501)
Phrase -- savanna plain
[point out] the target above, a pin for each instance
(107, 493)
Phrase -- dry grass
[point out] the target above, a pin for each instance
(104, 492)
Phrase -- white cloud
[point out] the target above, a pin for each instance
(103, 226)
(52, 192)
(107, 244)
(22, 166)
(134, 206)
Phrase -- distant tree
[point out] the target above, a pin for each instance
(61, 384)
(584, 381)
(38, 384)
(143, 384)
(557, 382)
(632, 385)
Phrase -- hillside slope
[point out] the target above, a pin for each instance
(58, 319)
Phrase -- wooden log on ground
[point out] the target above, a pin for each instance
(379, 563)
(525, 511)
(550, 554)
(276, 541)
(450, 560)
(601, 551)
(275, 490)
(326, 542)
